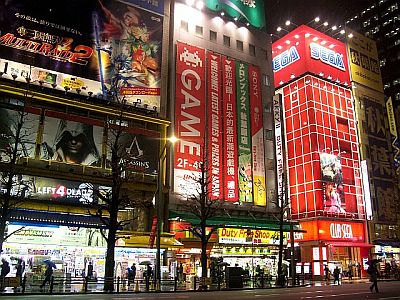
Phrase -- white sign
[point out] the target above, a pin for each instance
(367, 192)
(278, 147)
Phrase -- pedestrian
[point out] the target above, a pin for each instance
(350, 272)
(131, 274)
(336, 275)
(20, 268)
(180, 272)
(5, 269)
(373, 273)
(359, 270)
(90, 270)
(47, 276)
(326, 269)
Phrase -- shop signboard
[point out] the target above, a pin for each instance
(44, 45)
(381, 163)
(278, 146)
(251, 12)
(331, 230)
(244, 133)
(393, 131)
(214, 119)
(306, 50)
(9, 120)
(230, 149)
(364, 61)
(257, 136)
(239, 236)
(190, 107)
(55, 235)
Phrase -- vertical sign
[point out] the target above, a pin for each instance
(278, 147)
(214, 114)
(257, 136)
(244, 139)
(393, 132)
(190, 116)
(153, 232)
(367, 191)
(230, 157)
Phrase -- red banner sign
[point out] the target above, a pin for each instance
(153, 232)
(190, 109)
(214, 109)
(230, 157)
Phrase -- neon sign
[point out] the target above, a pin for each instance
(285, 59)
(327, 56)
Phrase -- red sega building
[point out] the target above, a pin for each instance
(322, 163)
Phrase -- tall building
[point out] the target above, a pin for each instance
(322, 165)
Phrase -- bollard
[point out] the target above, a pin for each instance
(51, 284)
(118, 279)
(137, 290)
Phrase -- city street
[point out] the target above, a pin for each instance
(388, 290)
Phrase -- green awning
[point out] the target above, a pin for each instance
(243, 222)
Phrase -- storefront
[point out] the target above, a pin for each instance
(334, 243)
(72, 248)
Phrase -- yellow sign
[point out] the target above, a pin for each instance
(364, 62)
(392, 121)
(72, 83)
(249, 236)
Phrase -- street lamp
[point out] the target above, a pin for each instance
(159, 206)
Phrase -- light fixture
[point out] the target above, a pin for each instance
(222, 13)
(279, 29)
(235, 18)
(326, 24)
(316, 20)
(334, 27)
(350, 36)
(287, 23)
(190, 2)
(200, 5)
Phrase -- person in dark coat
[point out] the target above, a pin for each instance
(336, 275)
(373, 273)
(90, 270)
(47, 276)
(5, 269)
(20, 270)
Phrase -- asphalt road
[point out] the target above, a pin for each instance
(388, 290)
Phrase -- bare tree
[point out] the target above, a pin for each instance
(17, 142)
(282, 204)
(204, 207)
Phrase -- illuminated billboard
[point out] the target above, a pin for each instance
(306, 50)
(251, 12)
(323, 162)
(44, 44)
(364, 62)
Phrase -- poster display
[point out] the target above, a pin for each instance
(71, 139)
(244, 133)
(190, 107)
(9, 122)
(214, 119)
(257, 136)
(109, 34)
(230, 157)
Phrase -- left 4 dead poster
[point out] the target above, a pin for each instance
(44, 41)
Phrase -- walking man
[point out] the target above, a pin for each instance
(336, 275)
(373, 272)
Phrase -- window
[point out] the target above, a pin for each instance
(252, 50)
(199, 30)
(239, 45)
(213, 36)
(227, 41)
(269, 134)
(266, 80)
(184, 26)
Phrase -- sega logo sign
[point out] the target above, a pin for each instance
(285, 59)
(327, 56)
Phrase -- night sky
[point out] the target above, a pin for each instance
(336, 12)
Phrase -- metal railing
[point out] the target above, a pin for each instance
(67, 284)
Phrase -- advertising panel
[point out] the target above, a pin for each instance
(56, 190)
(278, 147)
(43, 44)
(393, 132)
(257, 136)
(331, 230)
(230, 157)
(190, 117)
(332, 180)
(308, 50)
(244, 135)
(364, 62)
(71, 139)
(251, 12)
(139, 152)
(214, 119)
(56, 235)
(249, 236)
(26, 141)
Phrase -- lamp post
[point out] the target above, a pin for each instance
(159, 207)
